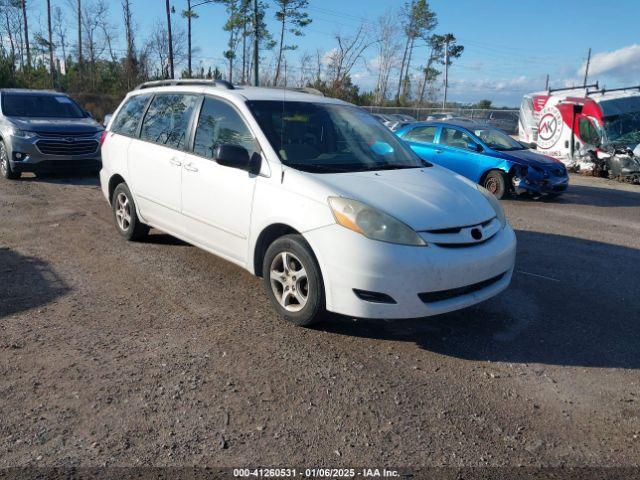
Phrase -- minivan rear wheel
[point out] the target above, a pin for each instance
(124, 213)
(5, 165)
(293, 281)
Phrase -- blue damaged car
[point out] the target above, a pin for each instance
(488, 156)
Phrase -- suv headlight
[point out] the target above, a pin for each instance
(495, 203)
(372, 223)
(24, 134)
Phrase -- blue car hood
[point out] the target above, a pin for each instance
(529, 157)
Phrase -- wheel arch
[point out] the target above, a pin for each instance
(266, 237)
(114, 181)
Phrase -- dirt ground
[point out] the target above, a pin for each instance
(157, 353)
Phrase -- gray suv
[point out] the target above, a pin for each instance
(45, 131)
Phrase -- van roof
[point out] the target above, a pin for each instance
(226, 90)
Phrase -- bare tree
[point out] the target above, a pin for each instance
(26, 32)
(293, 18)
(169, 39)
(60, 28)
(158, 47)
(131, 62)
(389, 44)
(305, 70)
(347, 54)
(52, 68)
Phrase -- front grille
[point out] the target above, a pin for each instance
(66, 134)
(63, 147)
(431, 297)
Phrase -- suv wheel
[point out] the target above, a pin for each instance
(5, 165)
(293, 281)
(124, 213)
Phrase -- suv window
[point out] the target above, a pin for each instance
(455, 138)
(422, 134)
(167, 119)
(220, 123)
(126, 123)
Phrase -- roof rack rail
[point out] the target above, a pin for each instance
(607, 90)
(186, 81)
(593, 85)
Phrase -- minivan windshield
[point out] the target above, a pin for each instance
(39, 105)
(330, 138)
(496, 139)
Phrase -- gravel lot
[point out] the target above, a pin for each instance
(158, 353)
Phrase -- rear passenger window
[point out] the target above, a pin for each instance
(421, 134)
(219, 123)
(455, 138)
(129, 116)
(167, 120)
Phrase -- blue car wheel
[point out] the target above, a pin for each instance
(496, 182)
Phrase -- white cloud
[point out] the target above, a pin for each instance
(622, 64)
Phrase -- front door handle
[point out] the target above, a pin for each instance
(190, 167)
(439, 151)
(175, 161)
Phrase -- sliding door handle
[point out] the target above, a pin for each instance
(189, 167)
(175, 161)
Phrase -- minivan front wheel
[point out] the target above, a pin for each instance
(124, 213)
(293, 281)
(5, 166)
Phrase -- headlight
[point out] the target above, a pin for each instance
(24, 134)
(495, 203)
(372, 223)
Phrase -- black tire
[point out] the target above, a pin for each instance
(496, 182)
(5, 165)
(125, 215)
(299, 255)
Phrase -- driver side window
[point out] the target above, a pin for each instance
(220, 123)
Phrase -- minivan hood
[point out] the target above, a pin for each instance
(530, 157)
(56, 125)
(427, 198)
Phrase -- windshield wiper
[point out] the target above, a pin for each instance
(309, 167)
(389, 166)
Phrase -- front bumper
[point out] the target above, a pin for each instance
(461, 276)
(25, 156)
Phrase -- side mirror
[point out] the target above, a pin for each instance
(238, 157)
(474, 147)
(107, 119)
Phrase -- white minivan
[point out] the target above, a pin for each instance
(310, 193)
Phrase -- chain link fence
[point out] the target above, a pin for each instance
(505, 119)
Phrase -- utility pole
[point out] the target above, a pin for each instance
(52, 66)
(256, 44)
(586, 70)
(446, 72)
(26, 32)
(170, 40)
(80, 66)
(189, 35)
(546, 84)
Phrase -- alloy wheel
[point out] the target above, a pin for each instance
(491, 184)
(4, 160)
(123, 211)
(289, 282)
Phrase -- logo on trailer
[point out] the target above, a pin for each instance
(549, 127)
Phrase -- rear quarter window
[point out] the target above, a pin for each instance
(129, 116)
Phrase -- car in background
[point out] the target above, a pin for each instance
(504, 120)
(310, 193)
(46, 131)
(487, 156)
(435, 117)
(386, 120)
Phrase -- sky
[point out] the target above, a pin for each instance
(510, 45)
